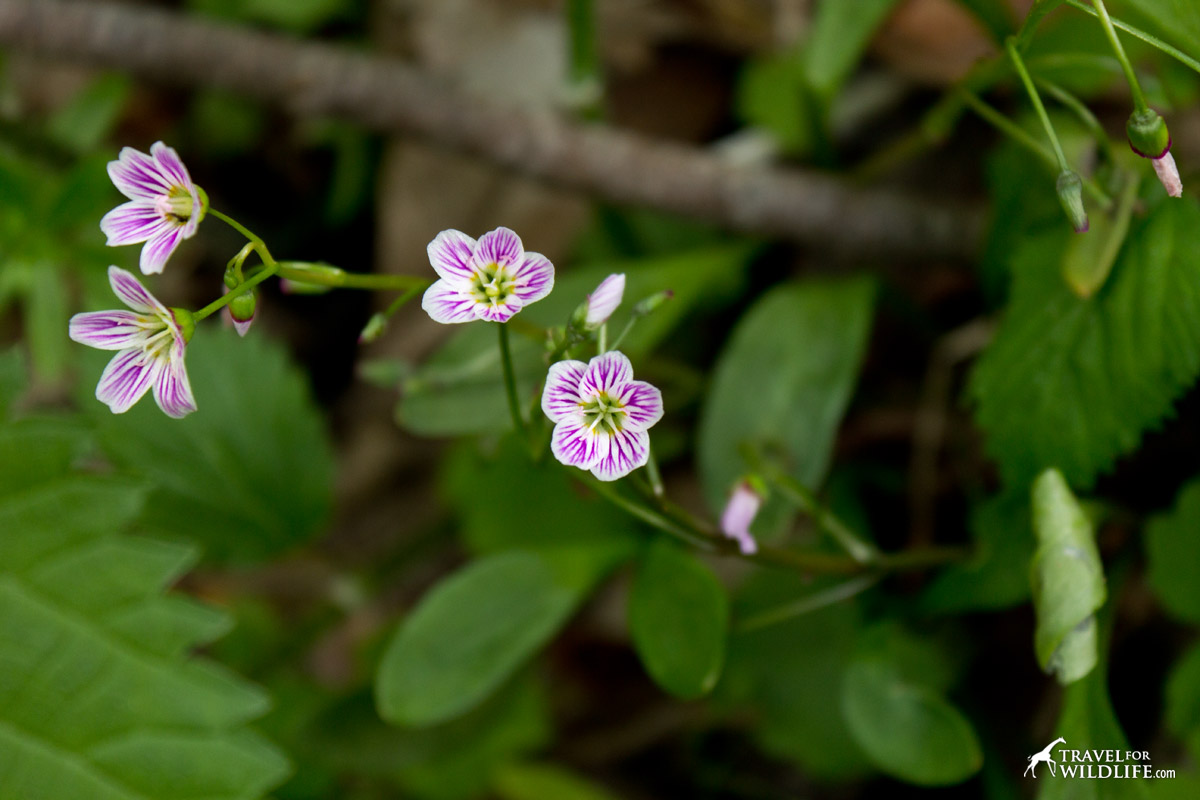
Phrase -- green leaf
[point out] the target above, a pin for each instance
(1074, 382)
(250, 473)
(46, 322)
(97, 698)
(12, 379)
(527, 781)
(468, 635)
(678, 616)
(784, 380)
(772, 95)
(82, 124)
(460, 389)
(895, 710)
(1068, 581)
(1173, 550)
(1183, 694)
(997, 576)
(995, 15)
(1177, 20)
(840, 33)
(33, 451)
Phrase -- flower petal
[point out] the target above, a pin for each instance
(1168, 174)
(534, 278)
(172, 389)
(159, 248)
(170, 166)
(130, 291)
(607, 372)
(604, 300)
(577, 445)
(109, 330)
(739, 514)
(498, 313)
(643, 405)
(126, 379)
(501, 246)
(627, 450)
(133, 222)
(444, 303)
(560, 398)
(450, 255)
(138, 176)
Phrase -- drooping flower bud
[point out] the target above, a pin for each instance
(1168, 174)
(241, 311)
(374, 328)
(1070, 194)
(1148, 134)
(744, 503)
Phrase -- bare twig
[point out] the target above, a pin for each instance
(385, 95)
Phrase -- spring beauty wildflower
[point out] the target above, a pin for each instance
(739, 514)
(1149, 138)
(490, 279)
(151, 339)
(602, 302)
(164, 206)
(601, 415)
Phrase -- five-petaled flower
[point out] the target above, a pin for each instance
(151, 339)
(739, 514)
(602, 415)
(164, 205)
(491, 279)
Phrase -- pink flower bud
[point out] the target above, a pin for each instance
(739, 514)
(604, 300)
(1168, 173)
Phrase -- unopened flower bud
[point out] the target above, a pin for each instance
(651, 303)
(1070, 194)
(241, 311)
(374, 328)
(1148, 134)
(744, 503)
(603, 301)
(1168, 174)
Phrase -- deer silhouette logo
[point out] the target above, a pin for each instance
(1044, 755)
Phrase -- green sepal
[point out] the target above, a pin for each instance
(1148, 134)
(242, 307)
(186, 322)
(1070, 193)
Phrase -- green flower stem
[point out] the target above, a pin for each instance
(808, 604)
(238, 260)
(237, 226)
(1021, 137)
(1138, 33)
(1034, 18)
(602, 339)
(242, 288)
(325, 275)
(624, 332)
(1036, 99)
(399, 302)
(1084, 114)
(510, 381)
(654, 476)
(1139, 99)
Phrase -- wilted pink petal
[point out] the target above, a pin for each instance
(1168, 174)
(739, 514)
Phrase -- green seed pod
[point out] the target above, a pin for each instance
(1070, 194)
(1148, 134)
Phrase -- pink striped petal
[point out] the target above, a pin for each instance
(450, 255)
(607, 372)
(501, 313)
(170, 166)
(126, 378)
(159, 248)
(534, 278)
(108, 330)
(172, 389)
(138, 176)
(604, 300)
(643, 405)
(561, 398)
(133, 222)
(501, 246)
(576, 445)
(443, 303)
(627, 450)
(130, 291)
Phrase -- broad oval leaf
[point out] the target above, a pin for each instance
(1173, 551)
(468, 635)
(1068, 581)
(907, 729)
(784, 380)
(678, 616)
(250, 473)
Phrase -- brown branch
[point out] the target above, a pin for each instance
(387, 96)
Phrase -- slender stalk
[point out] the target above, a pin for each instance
(602, 339)
(649, 516)
(1036, 99)
(1034, 18)
(399, 302)
(237, 226)
(1138, 33)
(1139, 99)
(858, 548)
(510, 381)
(624, 332)
(655, 477)
(1081, 111)
(325, 275)
(809, 603)
(242, 288)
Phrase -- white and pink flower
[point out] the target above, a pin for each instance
(602, 302)
(738, 516)
(164, 206)
(490, 279)
(151, 339)
(601, 415)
